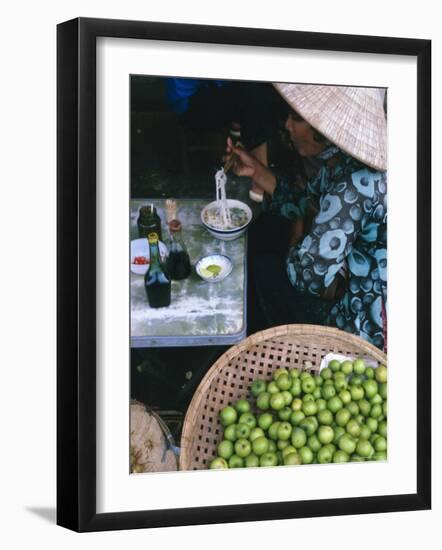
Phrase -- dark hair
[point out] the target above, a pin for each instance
(317, 136)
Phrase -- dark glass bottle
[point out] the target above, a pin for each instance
(156, 279)
(178, 261)
(149, 222)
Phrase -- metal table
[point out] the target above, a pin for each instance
(200, 313)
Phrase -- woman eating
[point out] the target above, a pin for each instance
(319, 253)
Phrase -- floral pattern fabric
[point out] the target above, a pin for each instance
(348, 234)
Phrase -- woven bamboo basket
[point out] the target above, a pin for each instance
(258, 356)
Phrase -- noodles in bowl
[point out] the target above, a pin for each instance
(240, 217)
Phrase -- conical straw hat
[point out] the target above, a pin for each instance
(351, 118)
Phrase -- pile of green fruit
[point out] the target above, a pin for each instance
(339, 415)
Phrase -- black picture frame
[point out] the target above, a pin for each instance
(76, 293)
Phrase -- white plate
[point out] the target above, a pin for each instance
(140, 247)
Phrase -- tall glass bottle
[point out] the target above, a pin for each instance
(156, 279)
(178, 261)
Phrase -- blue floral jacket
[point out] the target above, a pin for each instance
(349, 232)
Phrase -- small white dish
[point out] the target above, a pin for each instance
(205, 268)
(140, 248)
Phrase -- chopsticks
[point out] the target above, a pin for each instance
(229, 163)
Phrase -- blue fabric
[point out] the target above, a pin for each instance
(180, 90)
(350, 232)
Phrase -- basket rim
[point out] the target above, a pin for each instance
(256, 338)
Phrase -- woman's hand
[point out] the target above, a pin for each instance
(245, 164)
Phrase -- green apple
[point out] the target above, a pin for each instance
(284, 414)
(284, 382)
(242, 406)
(325, 434)
(249, 419)
(347, 367)
(364, 407)
(230, 432)
(268, 459)
(257, 387)
(242, 431)
(292, 459)
(326, 373)
(281, 444)
(309, 425)
(298, 438)
(309, 408)
(381, 374)
(296, 388)
(321, 404)
(345, 396)
(359, 366)
(296, 417)
(325, 417)
(340, 456)
(251, 461)
(228, 416)
(342, 417)
(284, 431)
(225, 449)
(334, 404)
(243, 447)
(372, 423)
(334, 365)
(306, 455)
(325, 456)
(260, 446)
(218, 463)
(287, 450)
(278, 373)
(357, 393)
(272, 387)
(353, 428)
(369, 373)
(236, 461)
(380, 444)
(347, 444)
(288, 397)
(364, 448)
(273, 431)
(256, 432)
(370, 388)
(265, 420)
(328, 391)
(263, 401)
(277, 401)
(382, 428)
(308, 385)
(296, 404)
(314, 443)
(353, 408)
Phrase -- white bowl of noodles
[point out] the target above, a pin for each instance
(240, 214)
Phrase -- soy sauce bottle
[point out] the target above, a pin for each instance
(156, 279)
(149, 222)
(178, 261)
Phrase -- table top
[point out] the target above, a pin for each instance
(200, 313)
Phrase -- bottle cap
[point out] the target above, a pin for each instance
(175, 226)
(152, 238)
